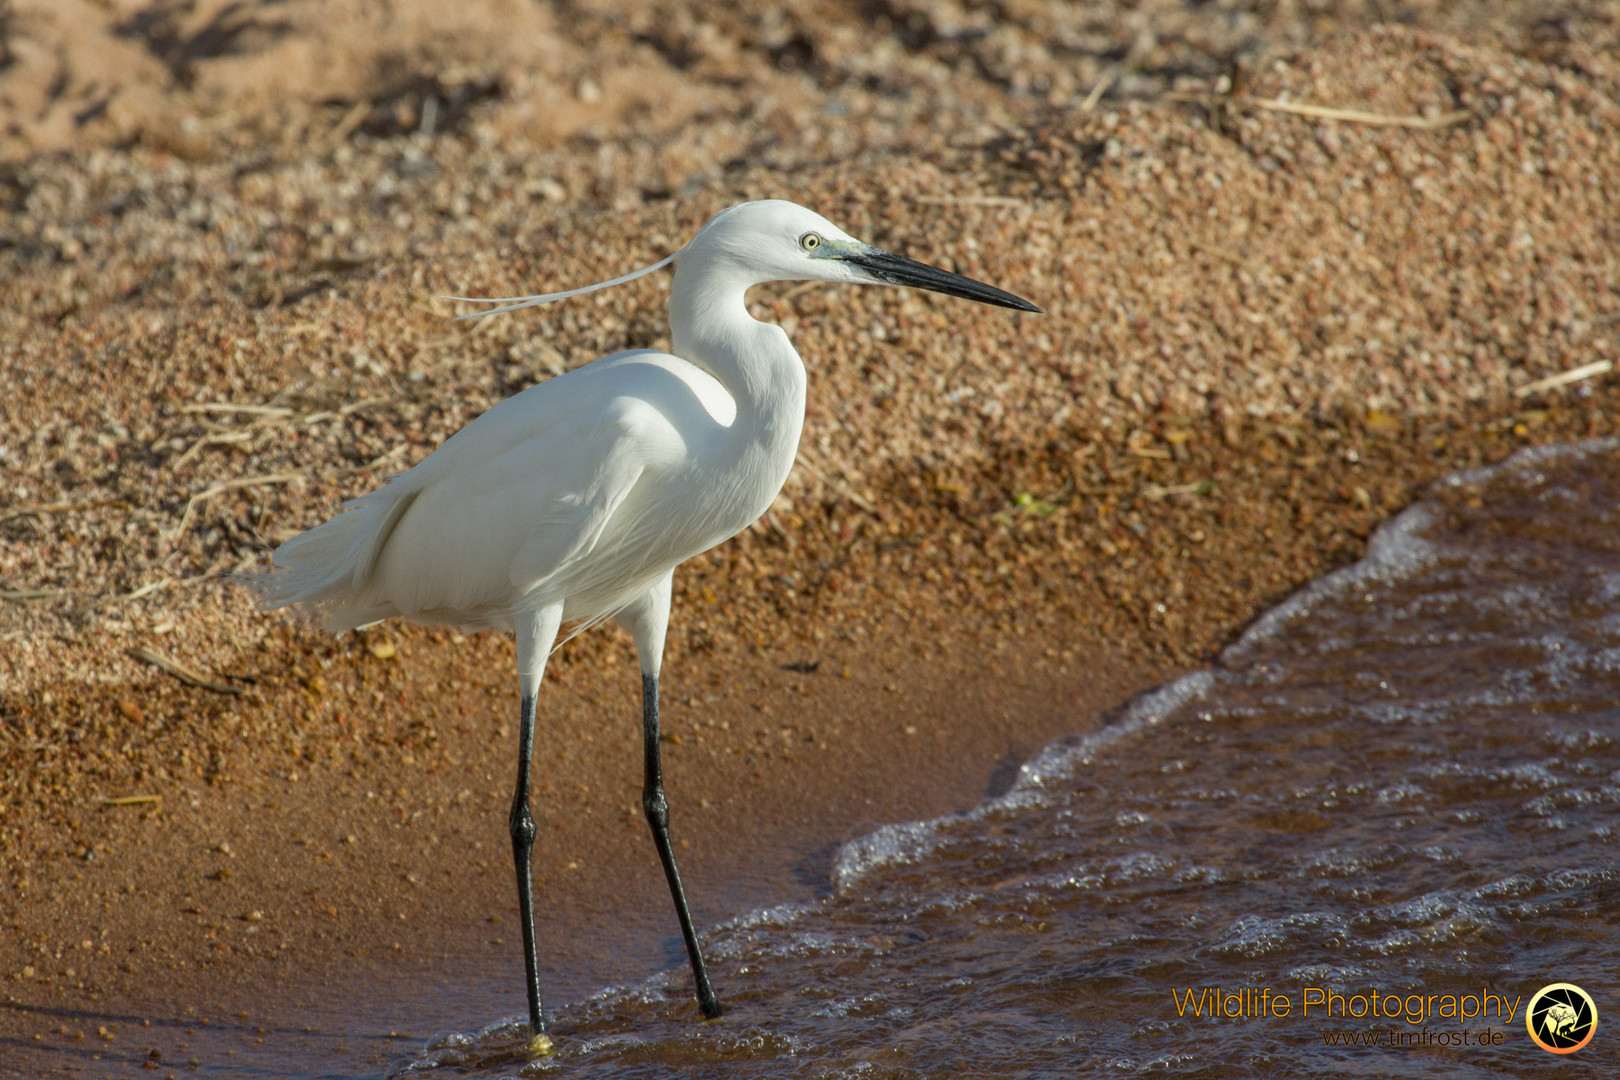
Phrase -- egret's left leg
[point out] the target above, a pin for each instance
(535, 633)
(647, 620)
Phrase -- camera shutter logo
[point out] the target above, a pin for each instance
(1562, 1018)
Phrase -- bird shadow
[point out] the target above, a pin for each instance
(813, 871)
(1004, 775)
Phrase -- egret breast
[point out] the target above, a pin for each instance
(709, 392)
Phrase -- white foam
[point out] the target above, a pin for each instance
(1528, 459)
(1060, 760)
(774, 917)
(1399, 549)
(1396, 552)
(913, 842)
(1253, 936)
(887, 846)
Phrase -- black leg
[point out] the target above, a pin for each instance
(657, 810)
(522, 826)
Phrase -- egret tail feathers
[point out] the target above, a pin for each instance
(323, 572)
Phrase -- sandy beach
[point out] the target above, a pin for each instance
(1296, 266)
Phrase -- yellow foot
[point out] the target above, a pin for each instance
(540, 1046)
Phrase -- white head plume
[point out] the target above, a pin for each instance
(513, 303)
(774, 240)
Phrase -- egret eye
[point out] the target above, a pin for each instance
(810, 241)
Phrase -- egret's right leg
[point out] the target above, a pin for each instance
(647, 619)
(536, 631)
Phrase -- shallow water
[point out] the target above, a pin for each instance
(1403, 781)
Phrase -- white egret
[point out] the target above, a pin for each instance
(575, 500)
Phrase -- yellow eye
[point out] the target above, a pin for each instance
(810, 241)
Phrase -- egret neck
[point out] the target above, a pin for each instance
(755, 362)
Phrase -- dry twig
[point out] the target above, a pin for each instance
(181, 672)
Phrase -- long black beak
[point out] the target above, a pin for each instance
(894, 269)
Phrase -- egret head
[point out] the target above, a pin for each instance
(775, 240)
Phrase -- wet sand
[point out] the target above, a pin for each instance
(367, 911)
(1266, 332)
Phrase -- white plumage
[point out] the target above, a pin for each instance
(586, 488)
(576, 499)
(565, 492)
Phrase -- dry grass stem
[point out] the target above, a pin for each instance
(222, 486)
(336, 414)
(217, 438)
(382, 459)
(1217, 252)
(1564, 378)
(1356, 116)
(1097, 92)
(60, 508)
(836, 484)
(1156, 492)
(228, 408)
(345, 127)
(19, 595)
(145, 590)
(969, 200)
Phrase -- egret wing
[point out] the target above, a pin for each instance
(478, 543)
(504, 514)
(570, 527)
